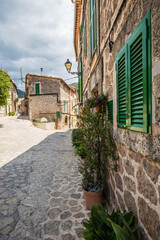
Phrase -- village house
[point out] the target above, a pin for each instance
(51, 98)
(11, 103)
(117, 48)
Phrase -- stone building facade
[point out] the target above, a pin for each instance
(47, 97)
(117, 46)
(11, 103)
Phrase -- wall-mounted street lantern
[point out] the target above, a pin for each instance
(68, 66)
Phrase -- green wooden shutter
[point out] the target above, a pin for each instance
(137, 78)
(64, 105)
(84, 40)
(80, 84)
(37, 88)
(133, 66)
(121, 67)
(95, 25)
(90, 27)
(110, 111)
(58, 114)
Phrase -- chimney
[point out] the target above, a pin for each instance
(41, 71)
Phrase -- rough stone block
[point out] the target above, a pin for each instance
(145, 187)
(129, 183)
(129, 167)
(130, 202)
(119, 182)
(120, 201)
(152, 170)
(149, 218)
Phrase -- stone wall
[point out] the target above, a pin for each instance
(47, 102)
(43, 106)
(136, 185)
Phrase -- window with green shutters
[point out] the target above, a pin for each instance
(92, 26)
(80, 84)
(37, 88)
(67, 106)
(110, 111)
(133, 66)
(64, 106)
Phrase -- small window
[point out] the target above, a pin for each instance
(37, 88)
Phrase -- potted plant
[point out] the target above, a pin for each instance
(95, 149)
(115, 226)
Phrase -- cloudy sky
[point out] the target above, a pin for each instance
(35, 34)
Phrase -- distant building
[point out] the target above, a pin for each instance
(51, 98)
(12, 102)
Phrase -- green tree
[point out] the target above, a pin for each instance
(5, 86)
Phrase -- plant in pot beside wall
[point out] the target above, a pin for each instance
(99, 103)
(95, 149)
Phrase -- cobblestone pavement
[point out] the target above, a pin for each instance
(40, 193)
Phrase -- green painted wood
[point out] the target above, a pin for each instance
(37, 88)
(121, 68)
(80, 84)
(92, 26)
(136, 101)
(64, 106)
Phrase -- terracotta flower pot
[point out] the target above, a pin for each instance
(92, 198)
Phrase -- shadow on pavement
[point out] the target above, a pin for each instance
(1, 125)
(31, 172)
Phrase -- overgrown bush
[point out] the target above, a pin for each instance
(117, 226)
(81, 149)
(77, 135)
(99, 147)
(11, 113)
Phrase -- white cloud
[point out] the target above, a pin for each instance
(34, 34)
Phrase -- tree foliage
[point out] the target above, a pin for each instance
(5, 86)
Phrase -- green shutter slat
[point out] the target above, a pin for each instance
(137, 55)
(137, 62)
(136, 68)
(136, 43)
(121, 89)
(138, 90)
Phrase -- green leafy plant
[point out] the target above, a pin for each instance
(5, 87)
(81, 150)
(115, 226)
(11, 113)
(99, 148)
(77, 135)
(99, 100)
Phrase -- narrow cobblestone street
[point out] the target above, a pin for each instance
(40, 192)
